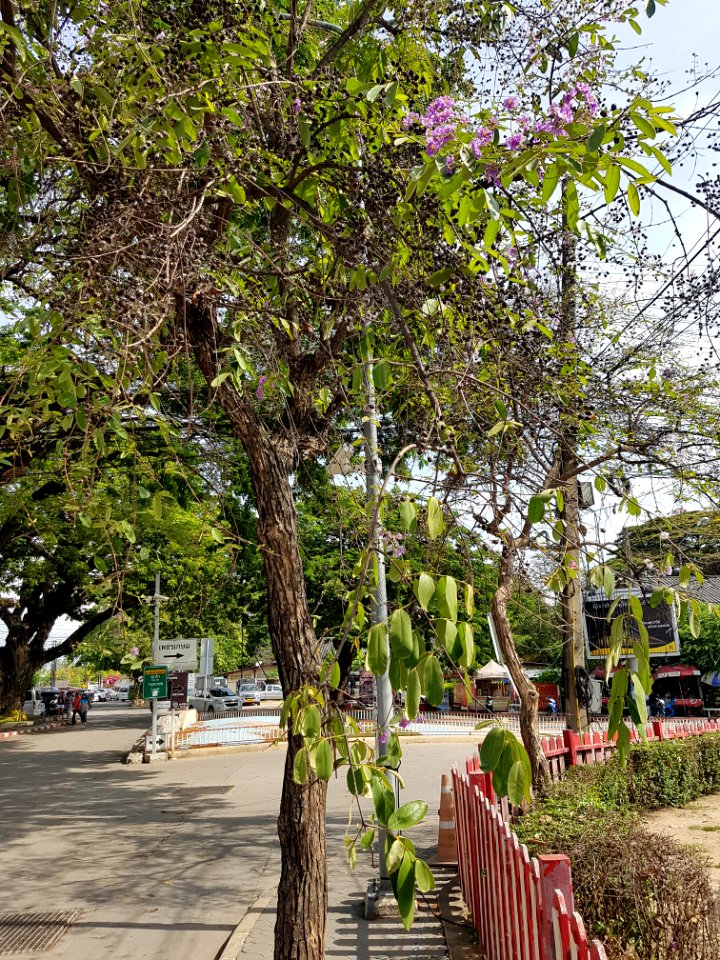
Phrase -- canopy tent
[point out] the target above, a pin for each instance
(711, 679)
(673, 670)
(492, 671)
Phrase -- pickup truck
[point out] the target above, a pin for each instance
(215, 700)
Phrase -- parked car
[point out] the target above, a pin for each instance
(100, 695)
(215, 700)
(33, 703)
(250, 696)
(272, 691)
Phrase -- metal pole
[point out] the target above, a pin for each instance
(379, 609)
(155, 648)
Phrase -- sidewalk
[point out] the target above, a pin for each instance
(348, 935)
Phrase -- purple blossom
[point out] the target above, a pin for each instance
(511, 103)
(481, 139)
(440, 112)
(563, 112)
(408, 120)
(439, 137)
(572, 564)
(492, 172)
(514, 142)
(297, 105)
(384, 737)
(260, 392)
(449, 163)
(135, 651)
(404, 723)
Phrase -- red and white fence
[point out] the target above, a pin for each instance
(574, 750)
(521, 906)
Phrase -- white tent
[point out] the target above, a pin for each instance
(492, 671)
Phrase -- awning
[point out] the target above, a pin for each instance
(492, 671)
(675, 670)
(711, 679)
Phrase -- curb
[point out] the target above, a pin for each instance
(234, 945)
(460, 935)
(8, 733)
(42, 728)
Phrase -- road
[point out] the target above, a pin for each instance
(161, 860)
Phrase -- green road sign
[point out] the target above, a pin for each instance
(155, 683)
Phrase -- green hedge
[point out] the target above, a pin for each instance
(645, 896)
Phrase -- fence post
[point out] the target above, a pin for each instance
(571, 740)
(554, 875)
(658, 729)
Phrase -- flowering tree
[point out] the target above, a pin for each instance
(287, 203)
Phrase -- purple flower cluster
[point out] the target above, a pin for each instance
(394, 543)
(297, 105)
(481, 139)
(260, 392)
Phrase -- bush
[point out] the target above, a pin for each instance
(645, 896)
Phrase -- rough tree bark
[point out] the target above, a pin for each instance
(16, 671)
(529, 699)
(302, 892)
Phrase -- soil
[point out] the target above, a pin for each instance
(698, 824)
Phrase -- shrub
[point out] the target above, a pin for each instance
(645, 896)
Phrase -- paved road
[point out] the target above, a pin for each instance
(161, 860)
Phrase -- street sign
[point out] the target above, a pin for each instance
(159, 743)
(155, 683)
(178, 654)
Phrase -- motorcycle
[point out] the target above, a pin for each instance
(552, 707)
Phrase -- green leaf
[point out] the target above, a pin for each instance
(446, 597)
(536, 510)
(469, 599)
(383, 799)
(394, 856)
(612, 183)
(440, 277)
(447, 632)
(408, 515)
(324, 760)
(412, 695)
(572, 204)
(309, 721)
(424, 590)
(435, 520)
(335, 675)
(550, 181)
(465, 632)
(406, 890)
(518, 783)
(300, 766)
(433, 682)
(633, 198)
(401, 630)
(608, 581)
(366, 841)
(596, 138)
(423, 876)
(374, 92)
(381, 374)
(408, 815)
(491, 231)
(376, 659)
(643, 125)
(492, 748)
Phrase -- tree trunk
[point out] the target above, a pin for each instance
(16, 671)
(302, 892)
(529, 699)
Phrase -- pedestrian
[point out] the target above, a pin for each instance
(68, 705)
(75, 707)
(84, 706)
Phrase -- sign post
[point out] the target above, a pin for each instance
(155, 683)
(179, 655)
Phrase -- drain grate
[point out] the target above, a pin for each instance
(199, 791)
(30, 932)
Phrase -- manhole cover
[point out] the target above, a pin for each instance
(197, 791)
(30, 932)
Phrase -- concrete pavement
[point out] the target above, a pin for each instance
(165, 860)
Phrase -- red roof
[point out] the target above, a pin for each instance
(675, 670)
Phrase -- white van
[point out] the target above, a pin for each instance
(33, 705)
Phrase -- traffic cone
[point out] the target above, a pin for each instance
(447, 847)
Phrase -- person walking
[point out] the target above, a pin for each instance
(84, 706)
(75, 707)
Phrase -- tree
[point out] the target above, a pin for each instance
(235, 185)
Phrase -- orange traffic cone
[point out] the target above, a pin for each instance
(447, 847)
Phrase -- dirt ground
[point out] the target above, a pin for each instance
(698, 823)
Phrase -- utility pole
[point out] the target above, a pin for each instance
(155, 656)
(379, 609)
(571, 598)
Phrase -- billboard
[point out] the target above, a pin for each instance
(660, 623)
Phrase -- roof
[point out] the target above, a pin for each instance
(491, 671)
(708, 592)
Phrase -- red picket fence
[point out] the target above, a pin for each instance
(573, 749)
(522, 907)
